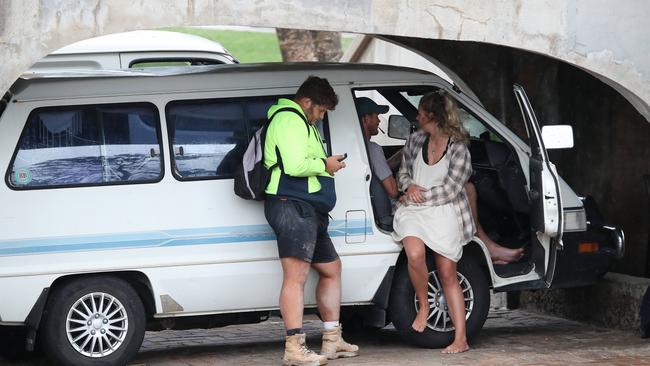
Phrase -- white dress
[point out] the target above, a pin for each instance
(437, 226)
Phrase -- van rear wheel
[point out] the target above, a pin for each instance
(93, 321)
(440, 330)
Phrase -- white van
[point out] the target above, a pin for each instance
(119, 215)
(136, 49)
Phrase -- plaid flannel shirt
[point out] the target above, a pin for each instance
(452, 190)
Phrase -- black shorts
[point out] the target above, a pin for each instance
(301, 230)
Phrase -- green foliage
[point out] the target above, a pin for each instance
(247, 46)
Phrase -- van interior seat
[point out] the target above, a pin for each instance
(381, 205)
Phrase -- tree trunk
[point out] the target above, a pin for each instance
(305, 45)
(328, 46)
(296, 45)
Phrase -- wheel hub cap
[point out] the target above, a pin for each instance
(96, 324)
(439, 317)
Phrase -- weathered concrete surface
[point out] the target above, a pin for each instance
(614, 302)
(508, 338)
(587, 33)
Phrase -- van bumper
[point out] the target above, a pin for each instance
(577, 267)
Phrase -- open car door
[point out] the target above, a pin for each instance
(544, 196)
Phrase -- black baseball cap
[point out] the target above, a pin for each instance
(366, 105)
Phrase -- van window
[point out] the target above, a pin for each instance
(475, 127)
(171, 62)
(88, 145)
(209, 137)
(382, 137)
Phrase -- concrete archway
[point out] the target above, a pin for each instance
(585, 33)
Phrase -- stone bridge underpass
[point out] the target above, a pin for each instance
(583, 62)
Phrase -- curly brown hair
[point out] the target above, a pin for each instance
(319, 91)
(445, 112)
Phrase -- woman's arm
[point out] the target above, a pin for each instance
(460, 169)
(404, 178)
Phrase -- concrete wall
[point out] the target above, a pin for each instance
(614, 302)
(609, 42)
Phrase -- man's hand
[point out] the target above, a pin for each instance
(333, 165)
(414, 193)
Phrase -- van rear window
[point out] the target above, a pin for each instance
(88, 145)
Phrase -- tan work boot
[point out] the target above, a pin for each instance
(296, 353)
(334, 346)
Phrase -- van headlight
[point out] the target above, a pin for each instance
(575, 220)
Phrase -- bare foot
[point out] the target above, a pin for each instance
(503, 255)
(420, 322)
(456, 347)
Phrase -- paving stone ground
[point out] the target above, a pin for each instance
(512, 337)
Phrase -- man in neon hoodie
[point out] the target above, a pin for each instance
(300, 195)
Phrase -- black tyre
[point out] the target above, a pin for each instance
(440, 330)
(97, 320)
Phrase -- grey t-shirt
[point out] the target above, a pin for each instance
(378, 161)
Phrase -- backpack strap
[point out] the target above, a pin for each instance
(289, 109)
(268, 123)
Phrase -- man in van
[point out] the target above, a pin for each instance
(300, 195)
(368, 112)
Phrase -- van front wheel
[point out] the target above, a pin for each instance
(440, 330)
(93, 321)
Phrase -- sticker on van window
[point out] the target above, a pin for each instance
(23, 176)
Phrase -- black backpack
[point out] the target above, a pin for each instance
(251, 177)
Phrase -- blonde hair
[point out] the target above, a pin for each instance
(445, 112)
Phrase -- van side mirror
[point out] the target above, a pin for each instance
(557, 136)
(399, 127)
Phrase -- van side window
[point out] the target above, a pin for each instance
(172, 62)
(382, 138)
(88, 145)
(209, 137)
(473, 125)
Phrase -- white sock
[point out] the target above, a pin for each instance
(331, 325)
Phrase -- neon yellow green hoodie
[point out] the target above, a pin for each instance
(301, 172)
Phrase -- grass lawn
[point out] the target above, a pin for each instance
(247, 46)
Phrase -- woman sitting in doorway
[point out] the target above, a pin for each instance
(435, 211)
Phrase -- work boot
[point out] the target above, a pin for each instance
(296, 353)
(334, 346)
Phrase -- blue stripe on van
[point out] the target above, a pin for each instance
(167, 238)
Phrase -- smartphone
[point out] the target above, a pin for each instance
(344, 157)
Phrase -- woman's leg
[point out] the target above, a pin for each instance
(419, 274)
(455, 301)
